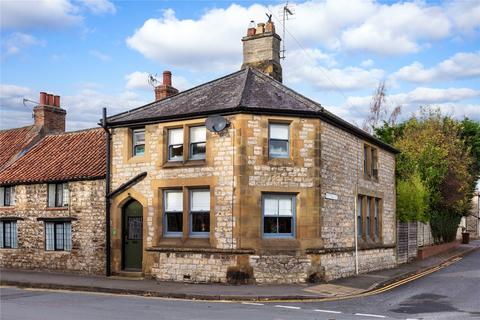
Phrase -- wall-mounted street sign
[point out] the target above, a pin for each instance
(331, 196)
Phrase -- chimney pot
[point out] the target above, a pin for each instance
(51, 100)
(260, 28)
(167, 78)
(56, 100)
(43, 98)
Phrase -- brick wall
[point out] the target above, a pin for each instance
(86, 204)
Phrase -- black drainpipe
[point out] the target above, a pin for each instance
(107, 192)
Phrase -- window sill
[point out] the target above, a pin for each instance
(169, 242)
(370, 178)
(281, 162)
(56, 208)
(200, 250)
(7, 207)
(188, 163)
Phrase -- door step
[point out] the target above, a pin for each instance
(128, 275)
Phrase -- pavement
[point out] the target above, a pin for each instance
(341, 288)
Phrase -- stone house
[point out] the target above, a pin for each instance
(242, 179)
(52, 194)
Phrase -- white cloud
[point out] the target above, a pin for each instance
(17, 41)
(465, 14)
(461, 65)
(38, 14)
(213, 40)
(99, 6)
(309, 68)
(367, 63)
(100, 55)
(398, 28)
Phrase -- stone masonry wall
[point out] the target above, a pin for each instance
(86, 204)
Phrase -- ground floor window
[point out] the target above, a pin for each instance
(278, 215)
(8, 234)
(200, 212)
(58, 236)
(368, 218)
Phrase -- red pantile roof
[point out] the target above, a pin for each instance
(14, 141)
(74, 155)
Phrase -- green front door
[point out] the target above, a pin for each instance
(132, 236)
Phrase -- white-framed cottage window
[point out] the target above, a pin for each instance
(8, 234)
(278, 140)
(138, 142)
(200, 212)
(58, 236)
(7, 196)
(175, 144)
(58, 195)
(278, 215)
(173, 212)
(197, 143)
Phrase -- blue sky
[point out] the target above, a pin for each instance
(97, 53)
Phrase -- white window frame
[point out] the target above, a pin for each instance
(191, 144)
(191, 212)
(136, 143)
(278, 196)
(166, 212)
(286, 155)
(170, 144)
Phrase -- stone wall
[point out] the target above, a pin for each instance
(86, 205)
(237, 169)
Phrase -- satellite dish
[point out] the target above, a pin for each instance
(216, 123)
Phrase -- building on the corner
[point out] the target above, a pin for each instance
(52, 194)
(287, 192)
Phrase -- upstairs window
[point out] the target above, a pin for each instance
(198, 138)
(173, 211)
(58, 236)
(278, 144)
(370, 162)
(200, 212)
(7, 196)
(278, 215)
(175, 144)
(138, 140)
(58, 195)
(8, 234)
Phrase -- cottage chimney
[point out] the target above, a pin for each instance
(48, 115)
(165, 90)
(261, 49)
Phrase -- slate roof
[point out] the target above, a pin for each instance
(15, 141)
(77, 155)
(247, 91)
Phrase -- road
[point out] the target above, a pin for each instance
(451, 293)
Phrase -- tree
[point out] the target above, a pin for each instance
(380, 111)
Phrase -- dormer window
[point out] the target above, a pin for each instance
(138, 142)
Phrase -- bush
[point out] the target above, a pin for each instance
(412, 199)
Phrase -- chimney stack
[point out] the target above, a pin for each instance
(261, 49)
(49, 116)
(165, 90)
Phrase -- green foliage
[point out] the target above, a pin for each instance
(412, 197)
(444, 225)
(439, 163)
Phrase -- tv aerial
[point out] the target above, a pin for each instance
(152, 80)
(287, 12)
(216, 123)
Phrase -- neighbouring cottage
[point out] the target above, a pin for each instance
(52, 194)
(276, 190)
